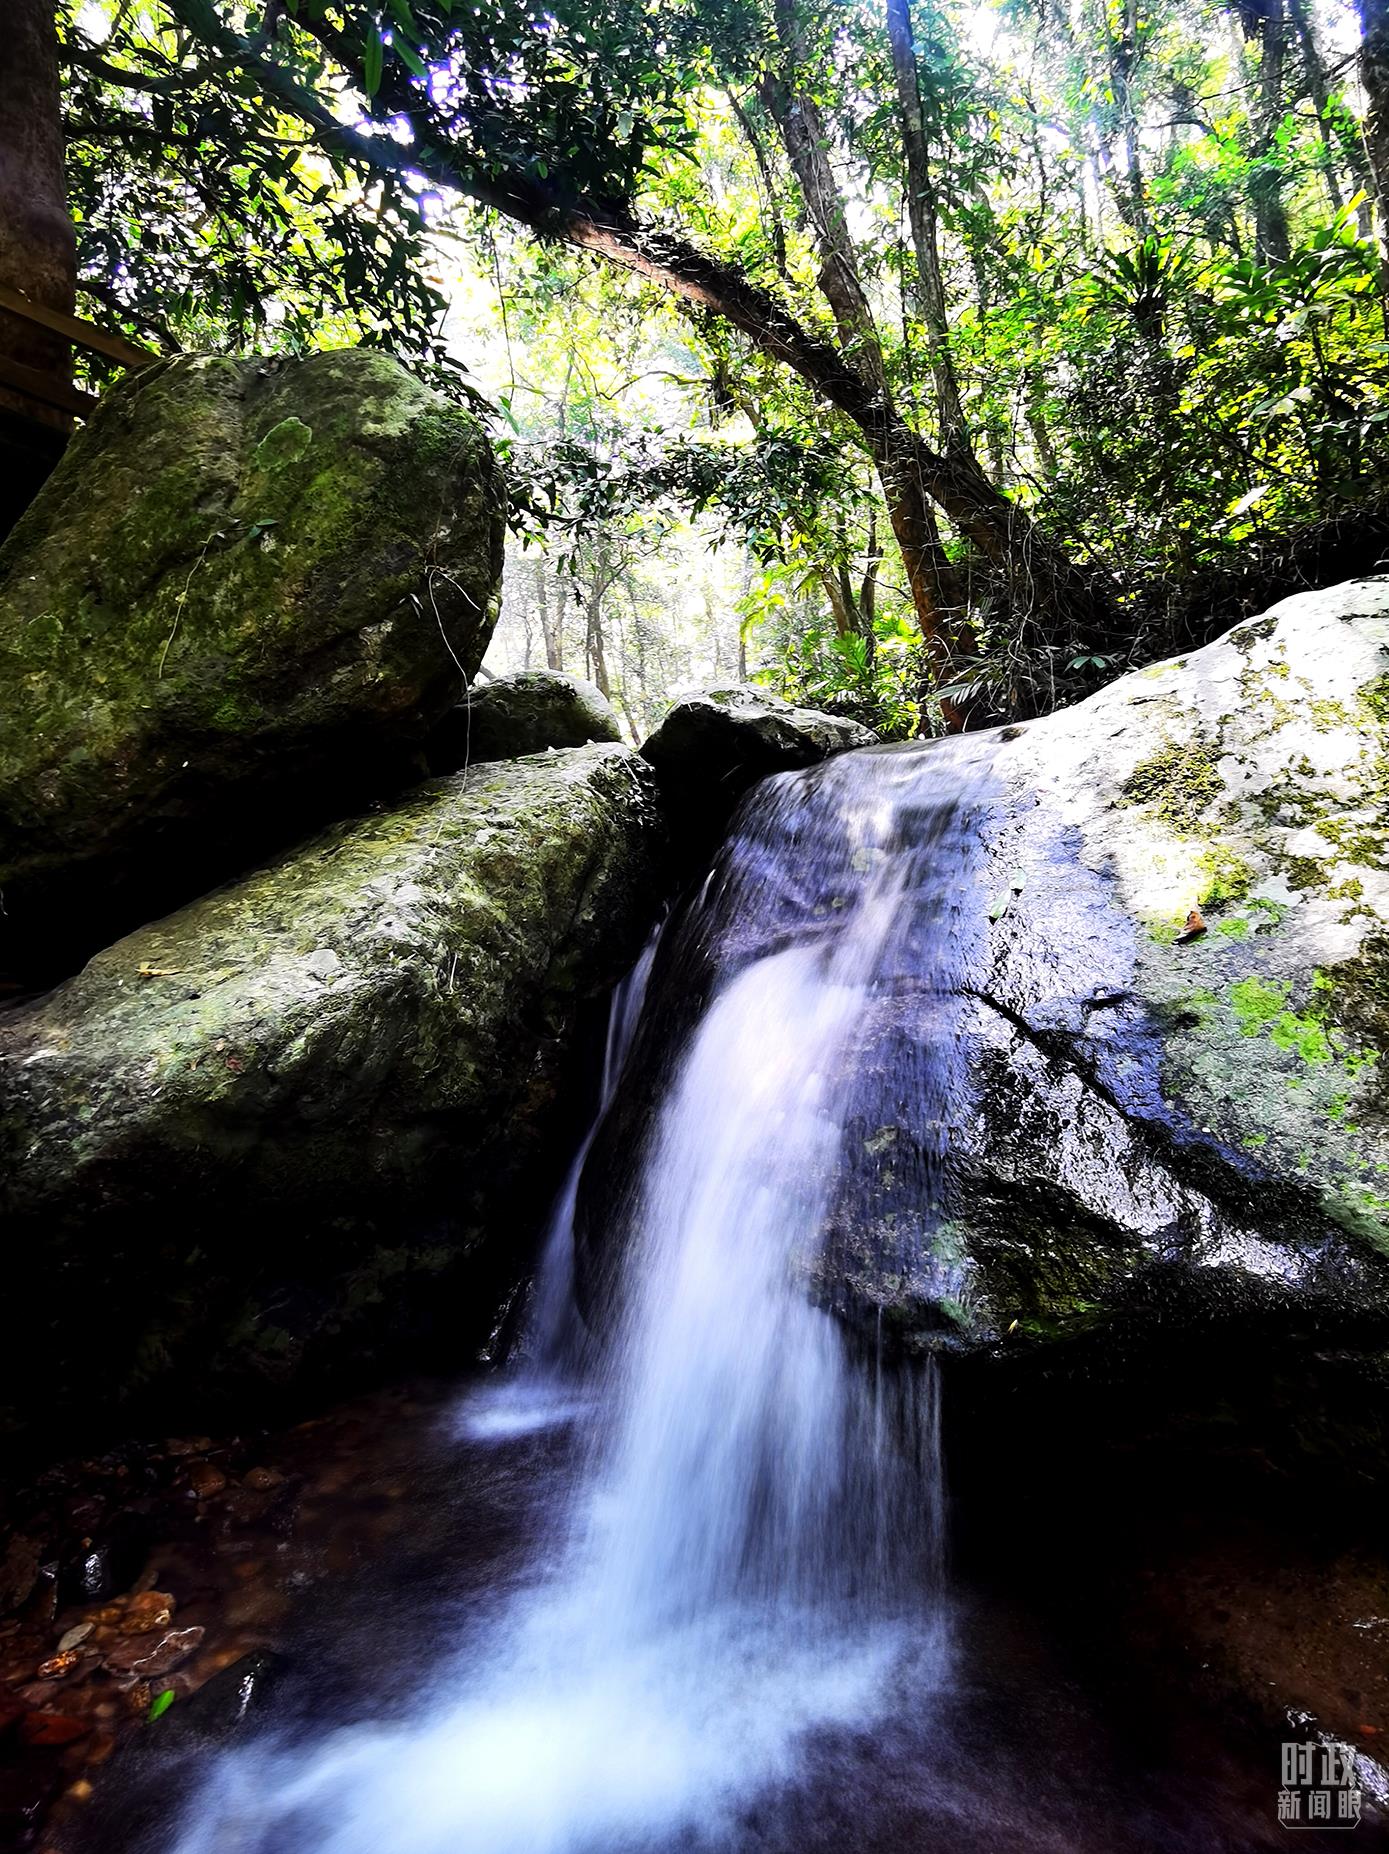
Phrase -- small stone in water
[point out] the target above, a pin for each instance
(261, 1480)
(166, 1653)
(205, 1479)
(56, 1665)
(138, 1615)
(73, 1636)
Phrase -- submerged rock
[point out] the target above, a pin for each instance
(714, 745)
(266, 1134)
(249, 587)
(520, 714)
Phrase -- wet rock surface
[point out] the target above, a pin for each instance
(1085, 1137)
(1167, 1122)
(715, 744)
(236, 608)
(524, 713)
(266, 1138)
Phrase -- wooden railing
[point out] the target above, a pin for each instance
(50, 389)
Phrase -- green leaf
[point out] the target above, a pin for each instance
(160, 1704)
(409, 56)
(371, 62)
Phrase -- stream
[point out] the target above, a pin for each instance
(681, 1578)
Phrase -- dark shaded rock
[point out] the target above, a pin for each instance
(205, 1479)
(245, 595)
(222, 1705)
(268, 1134)
(714, 745)
(515, 715)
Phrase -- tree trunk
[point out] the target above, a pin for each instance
(929, 574)
(1122, 58)
(1266, 183)
(1374, 77)
(923, 219)
(551, 628)
(1314, 73)
(37, 246)
(596, 658)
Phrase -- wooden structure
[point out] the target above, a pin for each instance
(30, 445)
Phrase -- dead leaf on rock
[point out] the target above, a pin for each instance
(1194, 928)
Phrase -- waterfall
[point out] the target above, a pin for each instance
(749, 1551)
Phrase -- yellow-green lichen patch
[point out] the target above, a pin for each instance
(1180, 784)
(1261, 1004)
(1373, 698)
(1226, 876)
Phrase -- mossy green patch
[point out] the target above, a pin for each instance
(1226, 876)
(1261, 1004)
(284, 444)
(235, 568)
(1178, 783)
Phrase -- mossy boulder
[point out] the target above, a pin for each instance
(244, 597)
(309, 1119)
(1174, 1003)
(519, 714)
(1076, 1131)
(716, 744)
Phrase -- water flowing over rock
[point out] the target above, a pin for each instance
(268, 1131)
(749, 1552)
(715, 744)
(248, 591)
(1121, 1073)
(524, 713)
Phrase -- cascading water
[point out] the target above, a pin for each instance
(749, 1551)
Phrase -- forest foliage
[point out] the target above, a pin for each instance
(1010, 342)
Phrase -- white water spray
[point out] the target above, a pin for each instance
(753, 1548)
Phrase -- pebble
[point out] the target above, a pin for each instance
(139, 1615)
(261, 1480)
(73, 1636)
(205, 1479)
(58, 1664)
(145, 1659)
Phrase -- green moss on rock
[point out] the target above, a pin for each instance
(244, 578)
(314, 1074)
(1178, 783)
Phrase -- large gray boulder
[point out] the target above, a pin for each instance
(1173, 999)
(715, 744)
(1080, 1135)
(519, 714)
(276, 1132)
(243, 598)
